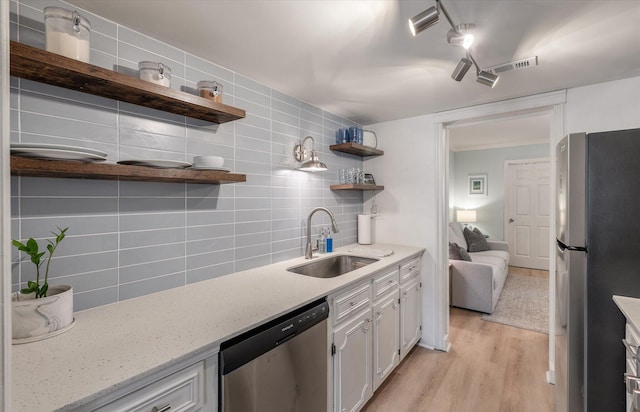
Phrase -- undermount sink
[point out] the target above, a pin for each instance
(333, 266)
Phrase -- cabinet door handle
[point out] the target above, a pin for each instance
(379, 314)
(395, 305)
(632, 349)
(632, 382)
(352, 303)
(636, 400)
(405, 293)
(164, 408)
(391, 281)
(380, 371)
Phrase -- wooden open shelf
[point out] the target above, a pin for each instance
(40, 65)
(24, 166)
(356, 149)
(356, 186)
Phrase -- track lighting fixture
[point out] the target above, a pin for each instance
(421, 22)
(462, 35)
(482, 76)
(461, 69)
(486, 78)
(459, 35)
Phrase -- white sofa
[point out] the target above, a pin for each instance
(476, 285)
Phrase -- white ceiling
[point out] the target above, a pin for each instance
(358, 59)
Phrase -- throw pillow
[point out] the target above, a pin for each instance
(476, 242)
(458, 253)
(464, 254)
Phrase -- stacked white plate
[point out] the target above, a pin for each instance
(157, 163)
(57, 151)
(209, 163)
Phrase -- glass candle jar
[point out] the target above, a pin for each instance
(67, 33)
(155, 72)
(210, 90)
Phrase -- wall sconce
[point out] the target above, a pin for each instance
(310, 161)
(466, 216)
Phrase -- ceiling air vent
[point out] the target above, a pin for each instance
(517, 64)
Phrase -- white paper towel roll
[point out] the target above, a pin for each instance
(364, 229)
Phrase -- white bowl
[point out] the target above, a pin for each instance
(208, 161)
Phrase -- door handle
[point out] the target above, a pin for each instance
(511, 220)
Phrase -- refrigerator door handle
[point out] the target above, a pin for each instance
(562, 247)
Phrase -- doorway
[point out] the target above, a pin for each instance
(552, 103)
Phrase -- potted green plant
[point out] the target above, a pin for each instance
(40, 311)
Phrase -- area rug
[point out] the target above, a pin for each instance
(523, 303)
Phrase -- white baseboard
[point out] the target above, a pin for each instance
(551, 377)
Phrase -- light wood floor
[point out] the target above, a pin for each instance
(490, 368)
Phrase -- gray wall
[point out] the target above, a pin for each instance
(127, 239)
(490, 162)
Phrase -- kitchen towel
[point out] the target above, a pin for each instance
(364, 229)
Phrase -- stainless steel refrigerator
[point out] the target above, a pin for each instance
(598, 255)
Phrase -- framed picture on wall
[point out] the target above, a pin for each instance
(478, 185)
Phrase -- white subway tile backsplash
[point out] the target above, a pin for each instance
(150, 270)
(127, 239)
(200, 69)
(209, 272)
(209, 258)
(93, 298)
(156, 284)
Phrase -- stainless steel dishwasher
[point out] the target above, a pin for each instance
(280, 366)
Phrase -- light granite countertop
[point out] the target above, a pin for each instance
(630, 308)
(114, 345)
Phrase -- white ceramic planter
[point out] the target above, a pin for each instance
(36, 319)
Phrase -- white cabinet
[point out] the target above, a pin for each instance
(632, 361)
(191, 388)
(375, 323)
(352, 363)
(366, 338)
(386, 336)
(410, 306)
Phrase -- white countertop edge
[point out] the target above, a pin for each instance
(630, 308)
(89, 361)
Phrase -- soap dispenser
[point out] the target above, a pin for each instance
(329, 241)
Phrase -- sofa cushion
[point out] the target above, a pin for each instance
(494, 261)
(476, 242)
(502, 254)
(455, 232)
(458, 253)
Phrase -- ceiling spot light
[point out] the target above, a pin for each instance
(461, 35)
(310, 160)
(487, 78)
(461, 69)
(482, 76)
(422, 21)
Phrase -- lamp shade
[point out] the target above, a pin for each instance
(466, 216)
(314, 164)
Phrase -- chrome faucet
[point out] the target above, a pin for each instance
(308, 254)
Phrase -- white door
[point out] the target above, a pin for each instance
(386, 337)
(410, 316)
(352, 363)
(527, 212)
